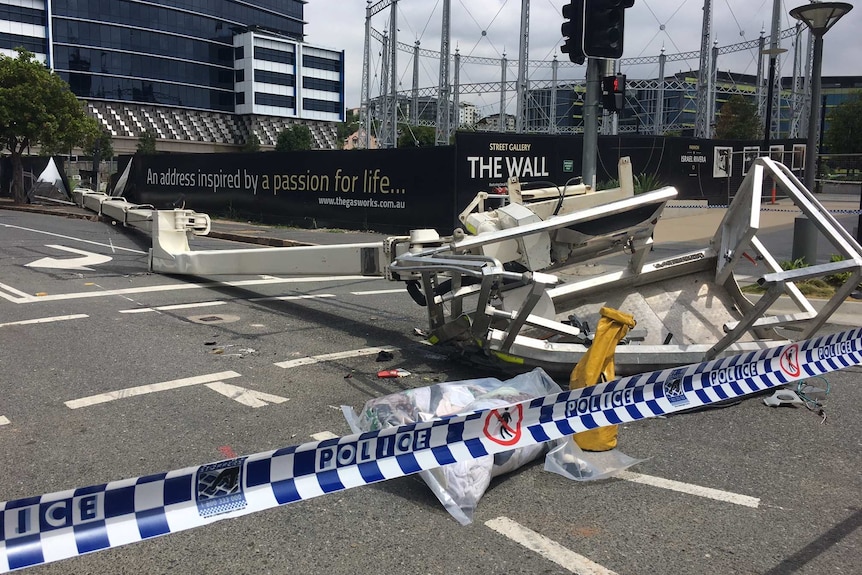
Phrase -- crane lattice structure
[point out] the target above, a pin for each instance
(380, 115)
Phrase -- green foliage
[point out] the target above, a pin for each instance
(738, 120)
(252, 144)
(642, 183)
(37, 109)
(146, 143)
(840, 278)
(100, 146)
(294, 138)
(349, 126)
(844, 135)
(647, 183)
(796, 264)
(416, 136)
(814, 287)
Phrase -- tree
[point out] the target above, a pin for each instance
(844, 135)
(416, 137)
(37, 108)
(738, 120)
(146, 143)
(294, 138)
(252, 144)
(348, 127)
(100, 145)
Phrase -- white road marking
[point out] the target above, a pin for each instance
(332, 356)
(149, 388)
(74, 239)
(12, 290)
(547, 548)
(378, 291)
(45, 319)
(290, 297)
(323, 435)
(4, 420)
(245, 396)
(81, 263)
(26, 298)
(173, 307)
(690, 489)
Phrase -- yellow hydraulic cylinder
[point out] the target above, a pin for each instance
(597, 366)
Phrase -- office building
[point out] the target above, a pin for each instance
(202, 75)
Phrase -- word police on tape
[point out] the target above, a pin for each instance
(60, 525)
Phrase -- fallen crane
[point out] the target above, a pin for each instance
(513, 290)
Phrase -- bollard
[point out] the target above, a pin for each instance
(804, 240)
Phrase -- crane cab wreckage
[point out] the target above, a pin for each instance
(520, 284)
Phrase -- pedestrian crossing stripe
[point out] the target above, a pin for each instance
(55, 526)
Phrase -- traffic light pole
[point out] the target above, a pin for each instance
(591, 120)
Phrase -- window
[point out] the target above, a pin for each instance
(321, 84)
(319, 63)
(263, 99)
(35, 45)
(271, 55)
(24, 15)
(269, 77)
(321, 105)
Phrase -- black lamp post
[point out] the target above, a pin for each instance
(819, 17)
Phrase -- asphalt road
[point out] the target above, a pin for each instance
(115, 326)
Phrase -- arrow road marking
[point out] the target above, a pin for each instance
(245, 396)
(87, 259)
(4, 420)
(149, 388)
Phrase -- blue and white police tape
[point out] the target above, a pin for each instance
(60, 525)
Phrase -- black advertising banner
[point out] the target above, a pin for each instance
(709, 170)
(394, 191)
(386, 190)
(486, 161)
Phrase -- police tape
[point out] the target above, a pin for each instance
(65, 524)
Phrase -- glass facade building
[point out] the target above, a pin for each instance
(226, 56)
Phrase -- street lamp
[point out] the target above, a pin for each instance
(819, 17)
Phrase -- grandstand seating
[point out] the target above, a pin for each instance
(182, 124)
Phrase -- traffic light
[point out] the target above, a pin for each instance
(614, 93)
(603, 27)
(573, 31)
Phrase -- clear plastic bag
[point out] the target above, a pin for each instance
(569, 460)
(458, 486)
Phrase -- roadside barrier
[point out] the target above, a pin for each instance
(65, 524)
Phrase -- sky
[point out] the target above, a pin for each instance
(491, 28)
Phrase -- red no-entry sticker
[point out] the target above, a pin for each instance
(503, 426)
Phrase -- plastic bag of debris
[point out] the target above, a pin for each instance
(569, 460)
(458, 486)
